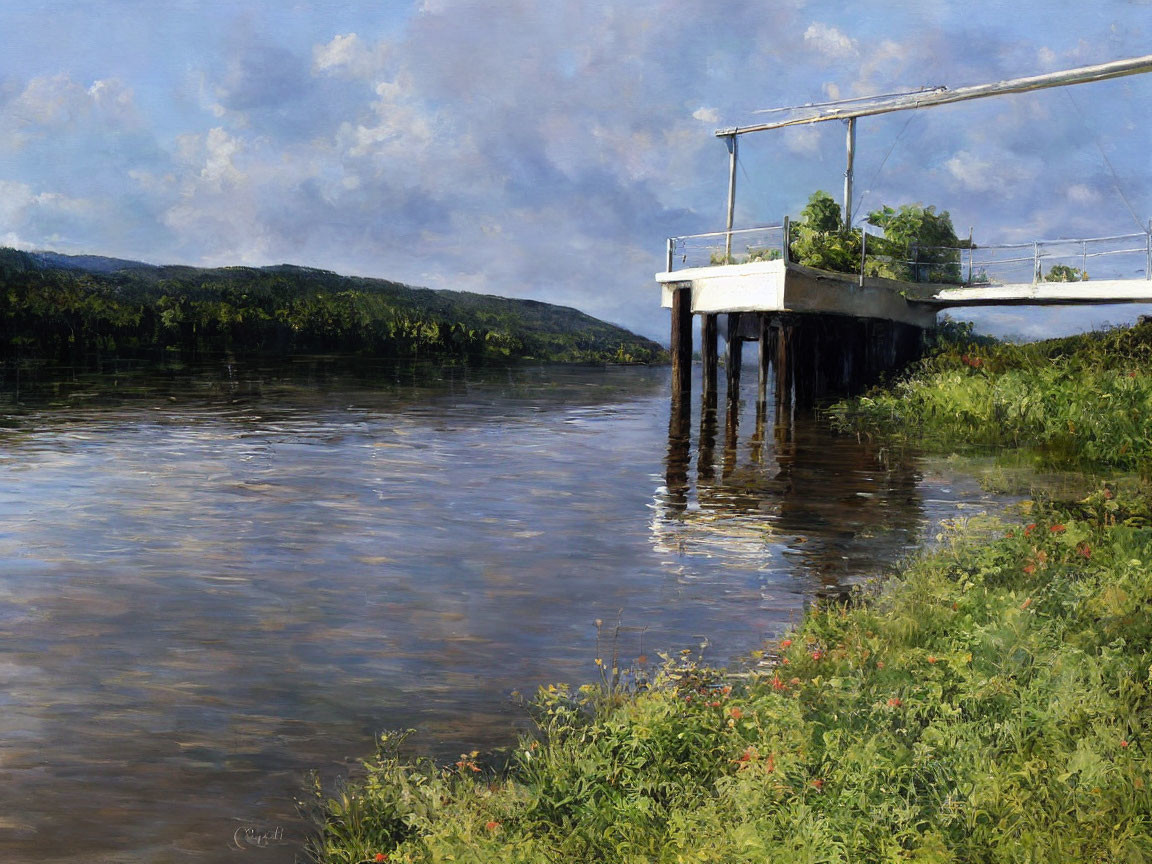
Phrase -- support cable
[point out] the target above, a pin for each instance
(1115, 177)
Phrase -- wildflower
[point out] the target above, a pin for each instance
(688, 698)
(818, 783)
(1107, 494)
(726, 690)
(1124, 743)
(1085, 550)
(714, 704)
(1057, 529)
(894, 702)
(879, 664)
(817, 654)
(777, 684)
(491, 826)
(1026, 603)
(1029, 529)
(736, 713)
(380, 856)
(748, 755)
(787, 643)
(770, 765)
(931, 659)
(1010, 534)
(1029, 569)
(1131, 374)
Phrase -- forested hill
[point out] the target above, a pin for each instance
(61, 306)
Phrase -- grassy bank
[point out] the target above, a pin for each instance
(1084, 400)
(992, 704)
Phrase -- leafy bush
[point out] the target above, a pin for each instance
(1081, 400)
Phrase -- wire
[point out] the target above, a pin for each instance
(1108, 162)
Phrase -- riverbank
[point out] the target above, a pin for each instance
(1081, 401)
(990, 704)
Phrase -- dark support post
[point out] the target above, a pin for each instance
(766, 350)
(783, 366)
(708, 354)
(735, 356)
(681, 342)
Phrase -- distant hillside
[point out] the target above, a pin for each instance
(54, 305)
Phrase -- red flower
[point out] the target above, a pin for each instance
(491, 826)
(1086, 550)
(931, 659)
(1107, 494)
(817, 654)
(1029, 568)
(777, 684)
(1124, 743)
(1010, 534)
(787, 643)
(894, 702)
(1028, 531)
(818, 783)
(380, 856)
(1131, 374)
(713, 704)
(736, 713)
(1057, 529)
(1026, 603)
(879, 664)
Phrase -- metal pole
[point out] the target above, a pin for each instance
(970, 229)
(944, 96)
(1035, 262)
(785, 252)
(848, 173)
(863, 252)
(1148, 263)
(671, 254)
(731, 197)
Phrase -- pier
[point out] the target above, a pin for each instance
(822, 332)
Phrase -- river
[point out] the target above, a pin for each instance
(216, 578)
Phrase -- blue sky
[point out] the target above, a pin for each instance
(545, 150)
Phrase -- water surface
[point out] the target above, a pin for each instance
(216, 578)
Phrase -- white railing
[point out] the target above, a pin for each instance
(1119, 256)
(740, 247)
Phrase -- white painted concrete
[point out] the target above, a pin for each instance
(773, 286)
(1045, 293)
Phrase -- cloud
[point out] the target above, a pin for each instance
(829, 41)
(535, 150)
(349, 56)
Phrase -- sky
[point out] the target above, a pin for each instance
(546, 149)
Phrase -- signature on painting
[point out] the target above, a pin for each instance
(250, 836)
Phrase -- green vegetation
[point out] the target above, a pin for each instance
(992, 704)
(58, 308)
(1084, 400)
(919, 244)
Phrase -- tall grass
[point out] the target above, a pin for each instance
(1083, 400)
(992, 704)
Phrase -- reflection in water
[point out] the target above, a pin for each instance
(214, 579)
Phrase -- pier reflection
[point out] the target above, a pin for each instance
(787, 498)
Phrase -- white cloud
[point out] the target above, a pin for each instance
(829, 41)
(706, 115)
(348, 55)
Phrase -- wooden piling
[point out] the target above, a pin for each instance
(708, 355)
(767, 349)
(681, 342)
(783, 368)
(735, 356)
